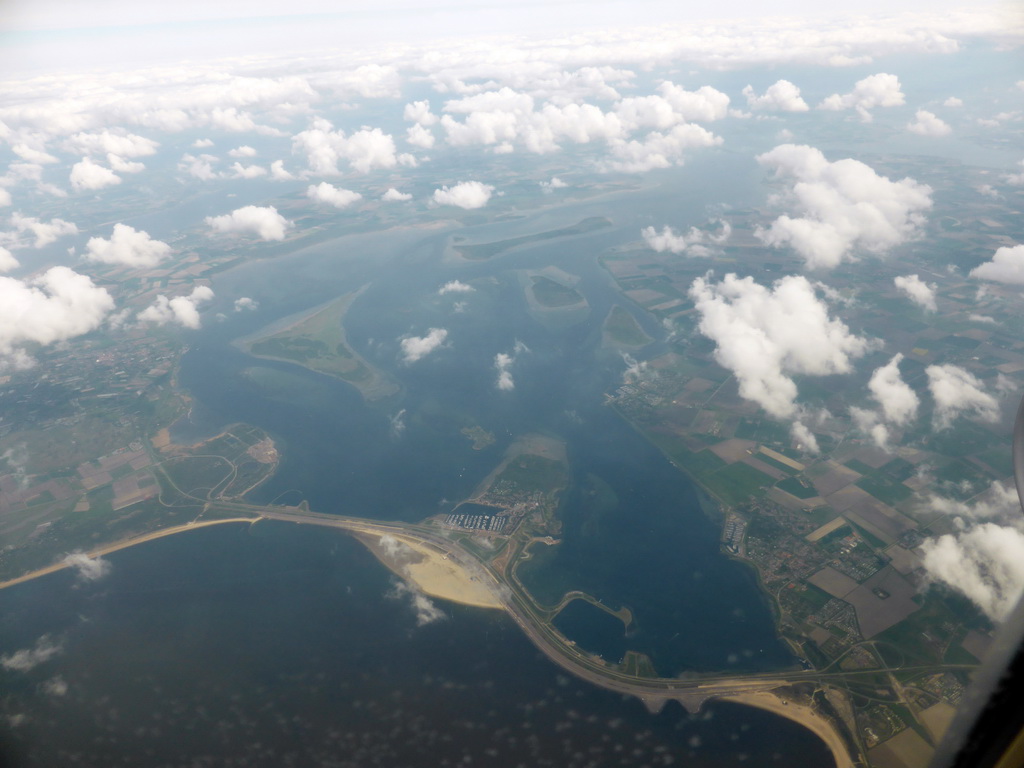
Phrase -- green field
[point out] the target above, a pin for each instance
(551, 294)
(318, 342)
(621, 328)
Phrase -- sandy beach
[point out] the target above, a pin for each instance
(801, 714)
(431, 571)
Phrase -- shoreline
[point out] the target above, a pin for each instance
(800, 714)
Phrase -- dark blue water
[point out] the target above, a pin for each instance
(600, 632)
(282, 645)
(654, 551)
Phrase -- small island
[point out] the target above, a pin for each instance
(479, 436)
(316, 340)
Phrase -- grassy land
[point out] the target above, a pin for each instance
(551, 294)
(621, 328)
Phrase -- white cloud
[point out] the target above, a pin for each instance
(974, 318)
(331, 195)
(32, 154)
(5, 198)
(953, 101)
(658, 150)
(122, 144)
(898, 401)
(58, 305)
(503, 362)
(324, 148)
(783, 96)
(425, 610)
(671, 106)
(763, 335)
(88, 568)
(243, 151)
(245, 303)
(30, 658)
(881, 90)
(844, 205)
(984, 562)
(278, 172)
(394, 196)
(200, 167)
(692, 243)
(247, 171)
(265, 222)
(1015, 179)
(419, 112)
(927, 124)
(415, 348)
(917, 290)
(7, 260)
(465, 194)
(547, 187)
(202, 143)
(804, 438)
(182, 310)
(127, 246)
(120, 165)
(419, 136)
(88, 175)
(1007, 266)
(988, 191)
(455, 286)
(957, 391)
(45, 232)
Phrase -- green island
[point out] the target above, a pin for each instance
(621, 329)
(482, 251)
(316, 340)
(552, 298)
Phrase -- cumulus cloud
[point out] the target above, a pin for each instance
(503, 362)
(122, 144)
(394, 196)
(763, 335)
(455, 286)
(696, 242)
(363, 151)
(415, 348)
(953, 101)
(58, 305)
(671, 106)
(783, 96)
(264, 222)
(917, 290)
(419, 112)
(120, 165)
(30, 658)
(331, 195)
(843, 205)
(984, 562)
(1007, 266)
(202, 143)
(419, 136)
(127, 246)
(927, 124)
(247, 171)
(465, 194)
(278, 172)
(88, 568)
(7, 261)
(1015, 179)
(547, 187)
(199, 167)
(804, 438)
(32, 154)
(245, 303)
(44, 232)
(956, 392)
(424, 608)
(89, 175)
(658, 150)
(881, 90)
(243, 151)
(183, 310)
(898, 401)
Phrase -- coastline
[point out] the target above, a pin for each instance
(798, 713)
